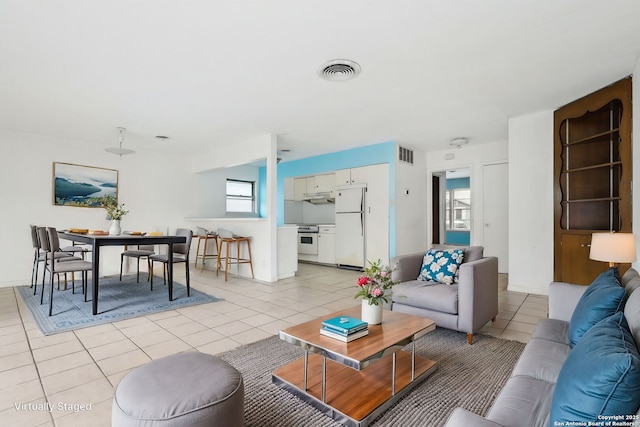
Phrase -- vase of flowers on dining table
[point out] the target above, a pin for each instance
(115, 212)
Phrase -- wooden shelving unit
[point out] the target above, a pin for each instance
(592, 177)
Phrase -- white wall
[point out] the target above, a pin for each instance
(264, 230)
(411, 209)
(473, 157)
(211, 189)
(156, 189)
(531, 197)
(531, 202)
(233, 153)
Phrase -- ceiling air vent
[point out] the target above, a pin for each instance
(339, 70)
(405, 155)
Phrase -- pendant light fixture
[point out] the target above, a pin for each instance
(119, 150)
(459, 142)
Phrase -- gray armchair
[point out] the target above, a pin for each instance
(465, 306)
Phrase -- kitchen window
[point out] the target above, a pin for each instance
(458, 210)
(241, 196)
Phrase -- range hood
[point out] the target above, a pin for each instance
(319, 198)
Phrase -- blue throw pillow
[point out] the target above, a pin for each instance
(441, 265)
(601, 375)
(604, 297)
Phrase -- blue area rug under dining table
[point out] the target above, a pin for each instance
(118, 300)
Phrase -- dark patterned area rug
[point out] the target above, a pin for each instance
(117, 301)
(470, 376)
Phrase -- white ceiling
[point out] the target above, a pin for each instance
(211, 72)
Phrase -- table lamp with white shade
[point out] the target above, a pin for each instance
(613, 247)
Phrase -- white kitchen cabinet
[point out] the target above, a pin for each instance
(311, 185)
(289, 191)
(299, 188)
(343, 177)
(351, 176)
(324, 183)
(376, 211)
(287, 251)
(326, 245)
(364, 174)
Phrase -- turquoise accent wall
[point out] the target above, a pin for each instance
(456, 183)
(462, 238)
(262, 192)
(355, 157)
(362, 156)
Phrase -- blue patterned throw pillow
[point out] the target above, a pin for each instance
(441, 265)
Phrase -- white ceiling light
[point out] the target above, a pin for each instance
(119, 150)
(339, 70)
(459, 142)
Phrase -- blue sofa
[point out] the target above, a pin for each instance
(581, 364)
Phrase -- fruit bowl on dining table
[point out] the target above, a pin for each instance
(135, 233)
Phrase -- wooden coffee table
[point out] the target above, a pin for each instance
(356, 382)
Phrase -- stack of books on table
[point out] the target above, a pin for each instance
(344, 328)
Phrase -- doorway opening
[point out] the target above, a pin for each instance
(451, 207)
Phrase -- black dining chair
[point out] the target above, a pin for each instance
(180, 254)
(50, 244)
(39, 257)
(141, 251)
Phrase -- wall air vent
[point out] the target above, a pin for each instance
(405, 155)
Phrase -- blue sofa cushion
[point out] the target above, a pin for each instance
(601, 375)
(604, 297)
(441, 265)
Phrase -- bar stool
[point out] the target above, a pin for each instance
(206, 235)
(227, 239)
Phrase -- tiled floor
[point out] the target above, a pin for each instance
(46, 380)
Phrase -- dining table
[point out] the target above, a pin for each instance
(96, 241)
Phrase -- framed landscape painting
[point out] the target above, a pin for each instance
(84, 186)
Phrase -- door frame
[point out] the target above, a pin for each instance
(430, 220)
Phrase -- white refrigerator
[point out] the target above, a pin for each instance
(350, 227)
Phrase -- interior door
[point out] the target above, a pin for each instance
(496, 213)
(435, 209)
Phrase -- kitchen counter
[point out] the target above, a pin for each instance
(270, 262)
(319, 246)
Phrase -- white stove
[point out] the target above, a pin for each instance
(308, 228)
(308, 239)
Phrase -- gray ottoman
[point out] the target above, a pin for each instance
(185, 389)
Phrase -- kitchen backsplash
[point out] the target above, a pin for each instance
(307, 213)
